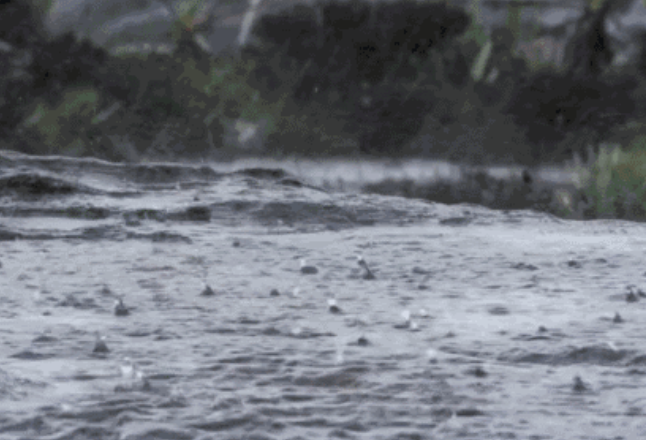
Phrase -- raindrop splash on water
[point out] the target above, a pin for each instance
(333, 307)
(99, 345)
(120, 308)
(307, 269)
(339, 358)
(407, 324)
(432, 355)
(127, 369)
(367, 275)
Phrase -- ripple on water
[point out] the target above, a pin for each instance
(243, 362)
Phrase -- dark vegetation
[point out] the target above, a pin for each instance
(361, 63)
(336, 78)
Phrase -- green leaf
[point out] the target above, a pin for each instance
(478, 69)
(514, 22)
(596, 4)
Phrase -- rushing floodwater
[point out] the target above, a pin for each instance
(475, 324)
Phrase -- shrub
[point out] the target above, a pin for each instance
(614, 185)
(551, 105)
(63, 128)
(369, 60)
(21, 22)
(64, 61)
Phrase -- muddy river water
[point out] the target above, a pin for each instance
(476, 324)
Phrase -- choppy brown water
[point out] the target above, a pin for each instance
(507, 308)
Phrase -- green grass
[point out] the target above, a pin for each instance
(614, 184)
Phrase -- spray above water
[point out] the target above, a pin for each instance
(432, 355)
(297, 330)
(133, 377)
(408, 323)
(128, 369)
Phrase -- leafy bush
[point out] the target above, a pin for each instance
(614, 185)
(64, 61)
(552, 105)
(21, 22)
(63, 129)
(368, 60)
(329, 78)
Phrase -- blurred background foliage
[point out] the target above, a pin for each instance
(339, 78)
